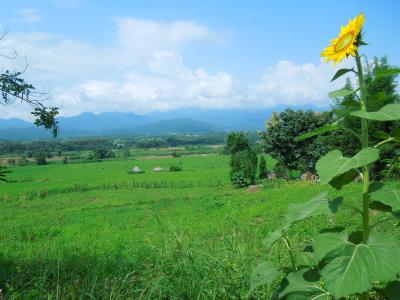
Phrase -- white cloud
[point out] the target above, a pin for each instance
(29, 15)
(289, 83)
(144, 70)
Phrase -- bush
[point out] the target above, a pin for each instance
(243, 164)
(239, 180)
(65, 160)
(102, 153)
(175, 168)
(40, 158)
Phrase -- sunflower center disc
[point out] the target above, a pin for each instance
(344, 41)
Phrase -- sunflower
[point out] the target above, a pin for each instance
(347, 42)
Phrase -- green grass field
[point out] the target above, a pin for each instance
(93, 231)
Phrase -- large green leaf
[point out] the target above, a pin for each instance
(319, 205)
(386, 195)
(334, 163)
(265, 273)
(306, 259)
(327, 244)
(340, 93)
(341, 72)
(304, 286)
(353, 268)
(389, 112)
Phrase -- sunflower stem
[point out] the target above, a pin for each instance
(365, 169)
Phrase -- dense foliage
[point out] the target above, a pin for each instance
(282, 130)
(243, 161)
(382, 91)
(262, 167)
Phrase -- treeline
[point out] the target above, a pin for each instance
(58, 147)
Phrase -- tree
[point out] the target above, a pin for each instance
(13, 87)
(243, 160)
(102, 153)
(282, 130)
(235, 142)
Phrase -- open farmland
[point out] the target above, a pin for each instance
(91, 230)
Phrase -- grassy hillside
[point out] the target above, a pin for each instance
(92, 230)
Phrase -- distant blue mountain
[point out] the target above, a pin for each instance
(103, 121)
(188, 120)
(14, 123)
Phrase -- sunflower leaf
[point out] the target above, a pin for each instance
(340, 93)
(264, 273)
(334, 164)
(390, 112)
(341, 72)
(353, 268)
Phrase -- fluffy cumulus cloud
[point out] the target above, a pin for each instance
(144, 70)
(289, 83)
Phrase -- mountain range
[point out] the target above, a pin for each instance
(182, 121)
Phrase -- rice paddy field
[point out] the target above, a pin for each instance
(94, 231)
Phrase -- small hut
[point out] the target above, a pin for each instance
(158, 169)
(136, 170)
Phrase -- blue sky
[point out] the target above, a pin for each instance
(158, 55)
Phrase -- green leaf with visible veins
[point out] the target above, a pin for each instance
(389, 112)
(352, 268)
(334, 163)
(265, 273)
(386, 195)
(326, 244)
(302, 287)
(319, 205)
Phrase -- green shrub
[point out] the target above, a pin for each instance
(175, 168)
(262, 168)
(245, 164)
(40, 158)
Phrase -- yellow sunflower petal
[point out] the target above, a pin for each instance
(346, 44)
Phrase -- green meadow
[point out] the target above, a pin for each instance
(93, 231)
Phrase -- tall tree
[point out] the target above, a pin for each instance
(285, 127)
